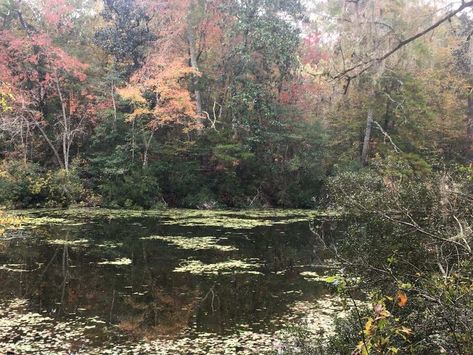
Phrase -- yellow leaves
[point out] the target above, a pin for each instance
(381, 312)
(405, 330)
(8, 221)
(4, 175)
(39, 183)
(6, 98)
(361, 349)
(131, 93)
(401, 299)
(137, 113)
(381, 330)
(368, 327)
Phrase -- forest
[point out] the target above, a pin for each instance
(330, 142)
(224, 103)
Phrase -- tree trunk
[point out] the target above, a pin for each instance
(193, 60)
(366, 141)
(388, 117)
(114, 104)
(66, 129)
(133, 141)
(147, 144)
(51, 145)
(469, 129)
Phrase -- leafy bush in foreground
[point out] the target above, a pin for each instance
(410, 240)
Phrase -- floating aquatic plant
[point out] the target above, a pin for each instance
(193, 243)
(336, 279)
(18, 267)
(71, 242)
(121, 261)
(197, 267)
(109, 245)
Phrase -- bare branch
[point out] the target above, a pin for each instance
(366, 64)
(386, 135)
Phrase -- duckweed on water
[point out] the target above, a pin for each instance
(331, 279)
(18, 267)
(194, 243)
(197, 267)
(28, 332)
(32, 221)
(314, 276)
(318, 317)
(23, 332)
(241, 219)
(71, 242)
(34, 333)
(224, 222)
(231, 221)
(118, 262)
(110, 245)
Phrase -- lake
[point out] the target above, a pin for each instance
(170, 282)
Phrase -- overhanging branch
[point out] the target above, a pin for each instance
(350, 72)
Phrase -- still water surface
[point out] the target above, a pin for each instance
(130, 276)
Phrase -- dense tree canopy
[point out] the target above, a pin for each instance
(223, 102)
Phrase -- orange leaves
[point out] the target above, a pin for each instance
(401, 299)
(160, 89)
(174, 97)
(168, 80)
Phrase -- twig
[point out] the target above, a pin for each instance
(365, 65)
(386, 135)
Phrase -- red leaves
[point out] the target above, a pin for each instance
(311, 49)
(57, 12)
(24, 56)
(32, 65)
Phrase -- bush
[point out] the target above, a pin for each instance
(28, 185)
(409, 238)
(17, 184)
(413, 225)
(137, 189)
(64, 189)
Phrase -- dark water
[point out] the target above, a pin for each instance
(147, 297)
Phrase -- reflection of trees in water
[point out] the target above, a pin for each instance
(165, 309)
(65, 272)
(167, 313)
(146, 299)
